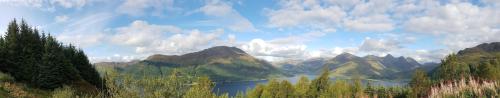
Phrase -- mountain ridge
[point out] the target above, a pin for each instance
(219, 63)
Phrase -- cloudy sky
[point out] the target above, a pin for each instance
(275, 30)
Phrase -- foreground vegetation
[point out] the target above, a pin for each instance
(40, 61)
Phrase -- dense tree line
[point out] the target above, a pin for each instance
(463, 70)
(455, 67)
(40, 61)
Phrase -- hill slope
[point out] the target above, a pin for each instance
(347, 65)
(219, 63)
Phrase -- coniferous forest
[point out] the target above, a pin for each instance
(34, 64)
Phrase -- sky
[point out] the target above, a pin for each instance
(274, 30)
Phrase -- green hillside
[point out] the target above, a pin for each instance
(347, 65)
(220, 63)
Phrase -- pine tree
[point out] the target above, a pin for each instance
(286, 90)
(301, 87)
(12, 50)
(319, 84)
(50, 75)
(2, 55)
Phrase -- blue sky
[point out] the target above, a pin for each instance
(275, 30)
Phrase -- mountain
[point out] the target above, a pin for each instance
(219, 63)
(310, 66)
(347, 65)
(481, 61)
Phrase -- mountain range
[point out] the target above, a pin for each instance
(347, 65)
(219, 63)
(230, 63)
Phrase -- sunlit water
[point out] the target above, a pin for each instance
(234, 87)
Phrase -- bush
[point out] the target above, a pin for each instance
(64, 92)
(5, 77)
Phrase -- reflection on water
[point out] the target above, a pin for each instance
(233, 87)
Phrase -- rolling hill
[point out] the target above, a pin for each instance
(219, 63)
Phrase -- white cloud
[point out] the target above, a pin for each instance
(182, 43)
(225, 15)
(143, 7)
(48, 5)
(150, 38)
(301, 13)
(62, 18)
(77, 32)
(460, 25)
(142, 33)
(290, 47)
(70, 3)
(374, 23)
(274, 48)
(115, 58)
(379, 45)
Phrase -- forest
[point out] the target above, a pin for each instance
(36, 65)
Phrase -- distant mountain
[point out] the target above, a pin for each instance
(219, 63)
(347, 65)
(485, 48)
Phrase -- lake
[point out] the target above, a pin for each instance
(233, 87)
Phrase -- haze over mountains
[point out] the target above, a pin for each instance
(231, 63)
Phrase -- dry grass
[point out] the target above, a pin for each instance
(463, 86)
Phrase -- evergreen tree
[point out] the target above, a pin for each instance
(286, 90)
(12, 50)
(301, 87)
(51, 75)
(319, 84)
(420, 84)
(41, 61)
(2, 55)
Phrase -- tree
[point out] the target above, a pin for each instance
(202, 89)
(12, 49)
(41, 61)
(271, 89)
(420, 84)
(51, 75)
(319, 84)
(256, 92)
(301, 87)
(286, 90)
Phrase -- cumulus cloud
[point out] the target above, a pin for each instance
(274, 48)
(290, 47)
(195, 40)
(460, 24)
(379, 45)
(374, 23)
(355, 15)
(310, 13)
(224, 14)
(150, 38)
(142, 33)
(141, 7)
